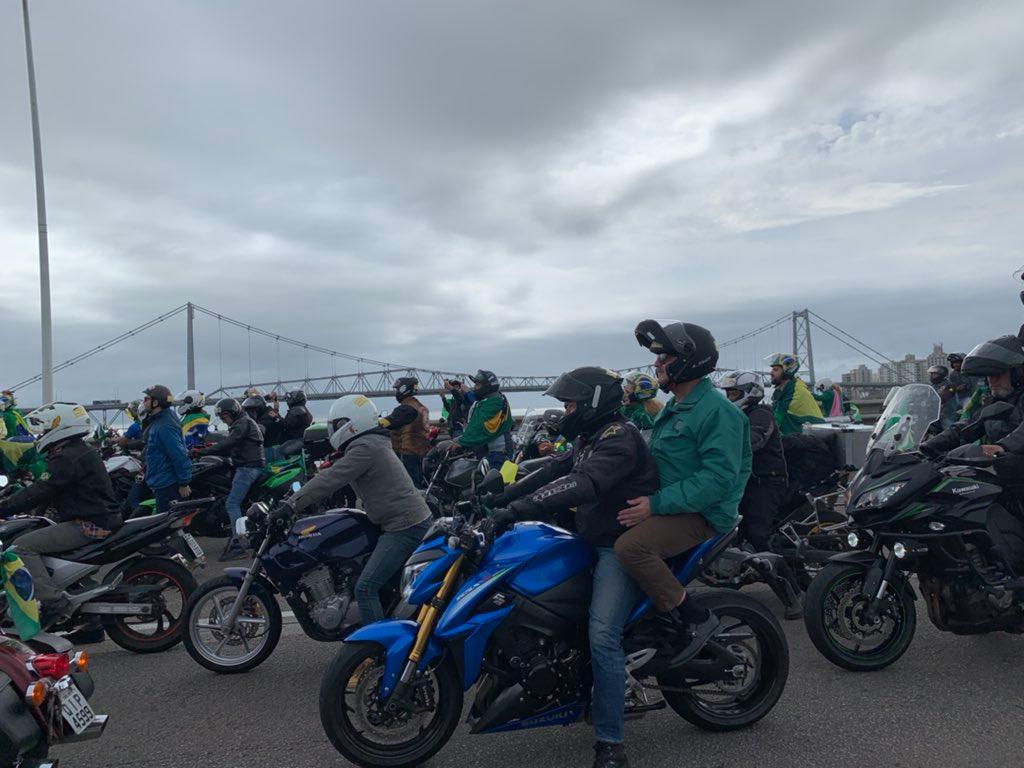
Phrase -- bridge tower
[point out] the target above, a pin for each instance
(802, 343)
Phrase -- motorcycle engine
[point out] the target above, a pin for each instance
(327, 603)
(549, 674)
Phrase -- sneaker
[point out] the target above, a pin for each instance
(610, 755)
(698, 624)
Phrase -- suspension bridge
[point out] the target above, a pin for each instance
(376, 378)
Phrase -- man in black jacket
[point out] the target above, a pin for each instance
(608, 465)
(244, 446)
(76, 485)
(298, 418)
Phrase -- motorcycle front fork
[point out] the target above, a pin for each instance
(243, 591)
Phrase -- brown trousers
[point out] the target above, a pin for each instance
(643, 548)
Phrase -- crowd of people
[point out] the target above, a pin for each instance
(645, 481)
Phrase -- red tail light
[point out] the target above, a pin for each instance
(53, 665)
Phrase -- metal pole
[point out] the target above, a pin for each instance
(44, 251)
(810, 350)
(190, 349)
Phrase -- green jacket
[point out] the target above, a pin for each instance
(489, 419)
(793, 406)
(636, 413)
(702, 447)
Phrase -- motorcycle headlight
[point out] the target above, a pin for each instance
(879, 496)
(409, 574)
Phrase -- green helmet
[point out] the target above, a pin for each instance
(640, 386)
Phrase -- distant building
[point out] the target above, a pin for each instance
(910, 370)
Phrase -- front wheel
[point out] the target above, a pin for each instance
(370, 734)
(834, 608)
(170, 586)
(253, 637)
(748, 631)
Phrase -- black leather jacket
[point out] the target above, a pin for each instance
(75, 483)
(769, 461)
(1008, 432)
(606, 467)
(296, 421)
(244, 443)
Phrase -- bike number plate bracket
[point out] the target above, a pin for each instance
(193, 545)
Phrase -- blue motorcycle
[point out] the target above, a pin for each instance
(509, 616)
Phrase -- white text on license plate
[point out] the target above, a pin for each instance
(192, 544)
(76, 710)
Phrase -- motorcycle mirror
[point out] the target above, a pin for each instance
(295, 486)
(996, 411)
(3, 481)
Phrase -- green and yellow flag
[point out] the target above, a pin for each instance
(21, 603)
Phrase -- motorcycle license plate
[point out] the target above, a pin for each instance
(192, 544)
(74, 707)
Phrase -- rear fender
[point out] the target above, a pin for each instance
(17, 726)
(237, 576)
(396, 638)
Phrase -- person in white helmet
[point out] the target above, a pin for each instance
(75, 484)
(379, 478)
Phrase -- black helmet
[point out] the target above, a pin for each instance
(597, 393)
(229, 406)
(255, 406)
(160, 395)
(693, 346)
(295, 397)
(996, 356)
(952, 357)
(406, 387)
(485, 383)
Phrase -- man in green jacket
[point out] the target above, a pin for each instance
(489, 425)
(701, 443)
(792, 402)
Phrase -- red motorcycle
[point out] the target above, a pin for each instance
(44, 699)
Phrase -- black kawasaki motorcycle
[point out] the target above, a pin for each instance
(947, 520)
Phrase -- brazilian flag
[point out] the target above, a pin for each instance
(21, 604)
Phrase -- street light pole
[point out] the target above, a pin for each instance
(44, 251)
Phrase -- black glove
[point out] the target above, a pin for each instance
(493, 500)
(500, 521)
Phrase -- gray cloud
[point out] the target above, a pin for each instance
(509, 185)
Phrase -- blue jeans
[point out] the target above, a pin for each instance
(138, 494)
(496, 459)
(240, 485)
(414, 466)
(164, 497)
(392, 550)
(614, 596)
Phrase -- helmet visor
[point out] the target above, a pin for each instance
(665, 337)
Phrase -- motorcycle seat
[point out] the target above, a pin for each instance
(292, 447)
(130, 528)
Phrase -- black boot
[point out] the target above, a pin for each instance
(610, 755)
(697, 624)
(89, 633)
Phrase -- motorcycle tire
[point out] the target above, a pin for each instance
(350, 664)
(753, 701)
(190, 634)
(821, 594)
(144, 571)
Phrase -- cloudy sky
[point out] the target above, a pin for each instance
(507, 185)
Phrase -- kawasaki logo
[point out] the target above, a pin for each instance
(966, 488)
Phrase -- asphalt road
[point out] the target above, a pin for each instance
(950, 701)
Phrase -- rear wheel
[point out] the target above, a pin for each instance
(834, 616)
(752, 634)
(253, 638)
(369, 733)
(161, 629)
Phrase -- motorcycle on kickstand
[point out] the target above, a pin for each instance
(509, 616)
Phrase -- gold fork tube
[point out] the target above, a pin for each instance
(430, 613)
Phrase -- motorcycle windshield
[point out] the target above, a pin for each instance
(528, 426)
(906, 418)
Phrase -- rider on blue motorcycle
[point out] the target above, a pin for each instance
(608, 464)
(702, 447)
(378, 476)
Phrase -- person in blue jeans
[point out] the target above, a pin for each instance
(244, 446)
(608, 464)
(168, 470)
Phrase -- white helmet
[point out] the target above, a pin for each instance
(824, 384)
(746, 382)
(351, 416)
(58, 421)
(189, 399)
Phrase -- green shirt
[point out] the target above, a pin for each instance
(488, 419)
(702, 447)
(637, 413)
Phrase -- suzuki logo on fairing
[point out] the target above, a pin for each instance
(966, 489)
